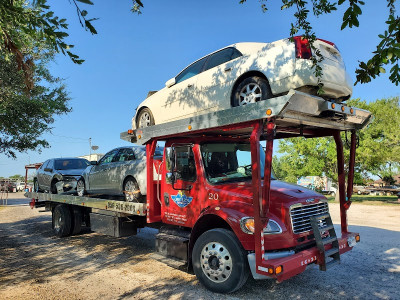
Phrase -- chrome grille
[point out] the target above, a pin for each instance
(301, 215)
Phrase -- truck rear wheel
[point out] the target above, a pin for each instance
(219, 261)
(62, 220)
(77, 218)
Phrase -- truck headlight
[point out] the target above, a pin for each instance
(247, 225)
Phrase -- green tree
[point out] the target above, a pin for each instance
(378, 152)
(30, 96)
(17, 177)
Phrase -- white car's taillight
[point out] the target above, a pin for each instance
(303, 49)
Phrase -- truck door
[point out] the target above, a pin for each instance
(180, 191)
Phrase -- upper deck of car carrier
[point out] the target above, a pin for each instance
(295, 113)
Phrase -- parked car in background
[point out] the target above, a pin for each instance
(66, 170)
(8, 186)
(244, 73)
(20, 186)
(122, 171)
(361, 190)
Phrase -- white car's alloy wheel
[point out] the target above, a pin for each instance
(145, 120)
(250, 93)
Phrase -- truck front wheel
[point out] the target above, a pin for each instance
(62, 220)
(219, 261)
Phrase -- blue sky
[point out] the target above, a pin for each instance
(133, 54)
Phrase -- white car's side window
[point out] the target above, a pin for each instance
(191, 71)
(222, 57)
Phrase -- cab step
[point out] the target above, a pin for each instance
(173, 243)
(320, 225)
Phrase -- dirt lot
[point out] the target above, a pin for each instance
(36, 265)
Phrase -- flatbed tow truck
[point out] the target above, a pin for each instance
(213, 196)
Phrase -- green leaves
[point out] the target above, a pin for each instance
(378, 152)
(25, 117)
(86, 1)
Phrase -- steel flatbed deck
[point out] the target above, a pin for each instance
(121, 207)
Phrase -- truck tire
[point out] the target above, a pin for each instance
(219, 261)
(62, 220)
(77, 217)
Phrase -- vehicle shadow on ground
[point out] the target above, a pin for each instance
(28, 250)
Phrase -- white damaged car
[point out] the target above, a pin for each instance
(245, 73)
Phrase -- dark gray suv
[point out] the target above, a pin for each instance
(65, 170)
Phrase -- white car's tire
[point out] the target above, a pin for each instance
(145, 118)
(251, 90)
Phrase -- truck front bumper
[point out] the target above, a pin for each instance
(292, 263)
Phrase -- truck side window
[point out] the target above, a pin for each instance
(185, 168)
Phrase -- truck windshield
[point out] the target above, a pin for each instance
(225, 162)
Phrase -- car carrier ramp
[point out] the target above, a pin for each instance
(296, 110)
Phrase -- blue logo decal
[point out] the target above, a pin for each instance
(181, 199)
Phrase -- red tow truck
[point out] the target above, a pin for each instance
(219, 209)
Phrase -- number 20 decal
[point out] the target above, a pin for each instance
(212, 196)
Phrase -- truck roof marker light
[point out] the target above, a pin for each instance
(130, 131)
(357, 238)
(269, 112)
(278, 270)
(138, 212)
(343, 108)
(83, 203)
(333, 105)
(190, 127)
(351, 110)
(139, 136)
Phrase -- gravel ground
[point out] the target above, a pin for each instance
(36, 265)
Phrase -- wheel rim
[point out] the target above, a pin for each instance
(216, 262)
(144, 120)
(130, 189)
(250, 93)
(80, 188)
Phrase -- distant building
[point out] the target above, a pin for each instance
(381, 183)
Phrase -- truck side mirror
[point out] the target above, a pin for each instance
(169, 178)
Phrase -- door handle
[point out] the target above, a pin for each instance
(228, 69)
